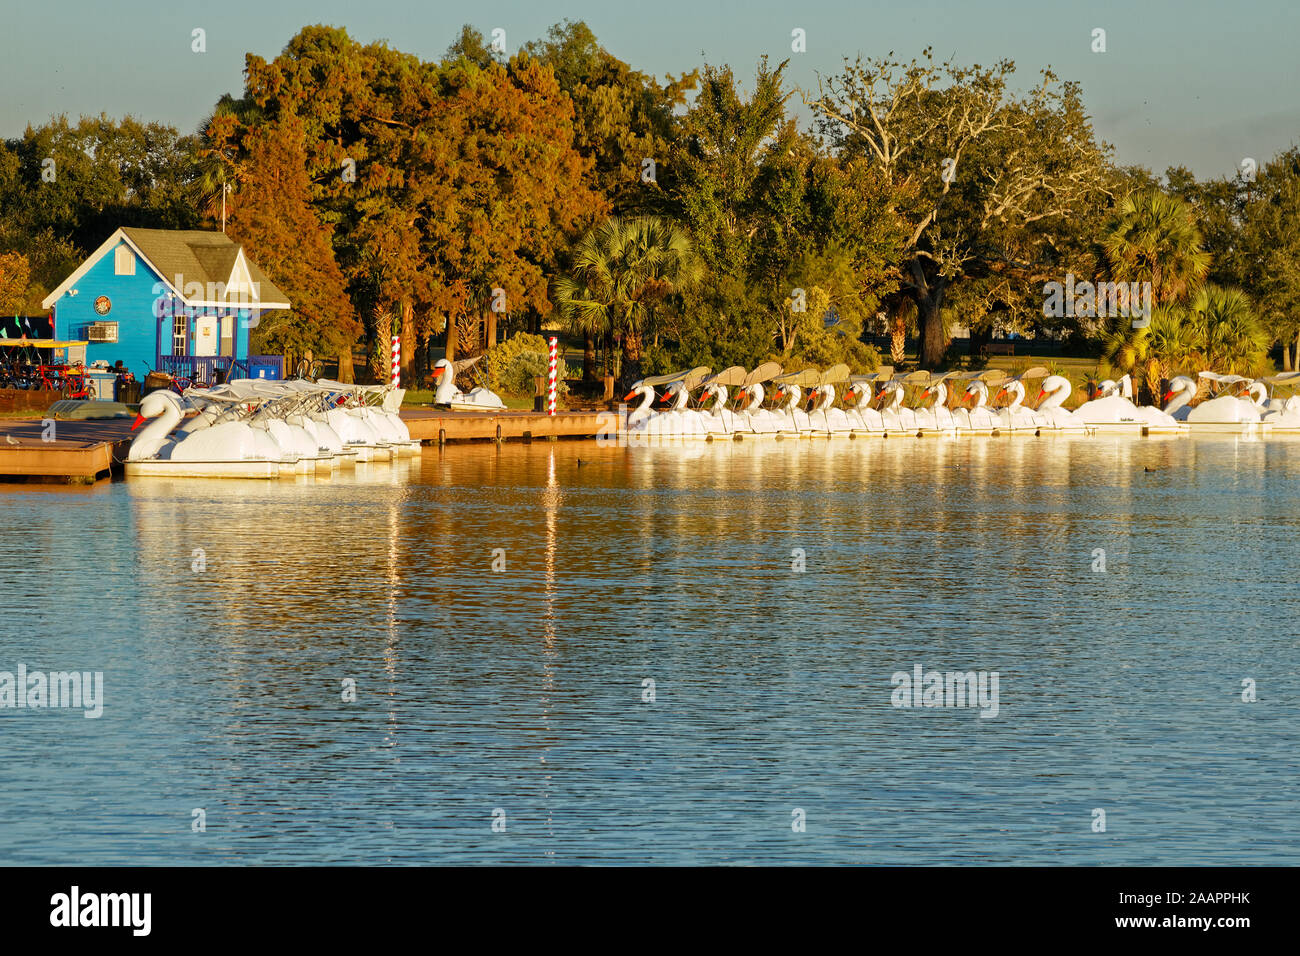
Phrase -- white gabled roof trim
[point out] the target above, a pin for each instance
(240, 266)
(109, 245)
(239, 275)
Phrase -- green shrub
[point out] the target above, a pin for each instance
(512, 366)
(822, 349)
(658, 360)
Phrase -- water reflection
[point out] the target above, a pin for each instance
(479, 688)
(551, 499)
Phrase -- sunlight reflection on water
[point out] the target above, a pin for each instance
(522, 689)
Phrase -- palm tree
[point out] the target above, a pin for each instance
(1167, 345)
(667, 260)
(1155, 239)
(217, 172)
(620, 271)
(1171, 346)
(214, 181)
(1228, 335)
(586, 315)
(1125, 348)
(901, 320)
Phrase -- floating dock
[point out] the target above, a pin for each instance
(82, 452)
(436, 425)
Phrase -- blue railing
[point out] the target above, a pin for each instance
(196, 368)
(204, 368)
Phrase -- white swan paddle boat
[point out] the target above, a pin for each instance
(230, 449)
(476, 399)
(1226, 412)
(1052, 394)
(978, 419)
(859, 397)
(1282, 414)
(1114, 411)
(249, 428)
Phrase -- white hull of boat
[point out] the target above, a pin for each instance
(1227, 428)
(1118, 428)
(1230, 428)
(165, 468)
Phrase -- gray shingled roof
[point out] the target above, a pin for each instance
(198, 256)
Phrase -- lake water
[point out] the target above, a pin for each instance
(520, 694)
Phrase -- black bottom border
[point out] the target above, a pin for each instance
(945, 906)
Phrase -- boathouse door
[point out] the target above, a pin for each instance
(205, 335)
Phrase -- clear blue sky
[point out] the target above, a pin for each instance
(1202, 83)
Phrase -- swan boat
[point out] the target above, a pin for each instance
(448, 395)
(223, 449)
(258, 429)
(839, 404)
(1282, 414)
(1227, 411)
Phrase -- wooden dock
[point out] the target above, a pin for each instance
(438, 425)
(82, 452)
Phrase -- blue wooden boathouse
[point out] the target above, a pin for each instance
(180, 301)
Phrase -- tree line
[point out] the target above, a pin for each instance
(670, 222)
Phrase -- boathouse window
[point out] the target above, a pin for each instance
(227, 334)
(123, 261)
(180, 326)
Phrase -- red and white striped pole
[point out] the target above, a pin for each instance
(397, 361)
(550, 380)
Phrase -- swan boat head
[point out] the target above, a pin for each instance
(678, 395)
(444, 374)
(940, 393)
(978, 392)
(162, 411)
(714, 391)
(794, 392)
(1053, 392)
(1179, 393)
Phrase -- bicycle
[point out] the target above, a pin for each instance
(68, 381)
(76, 383)
(157, 380)
(11, 377)
(47, 377)
(17, 371)
(181, 383)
